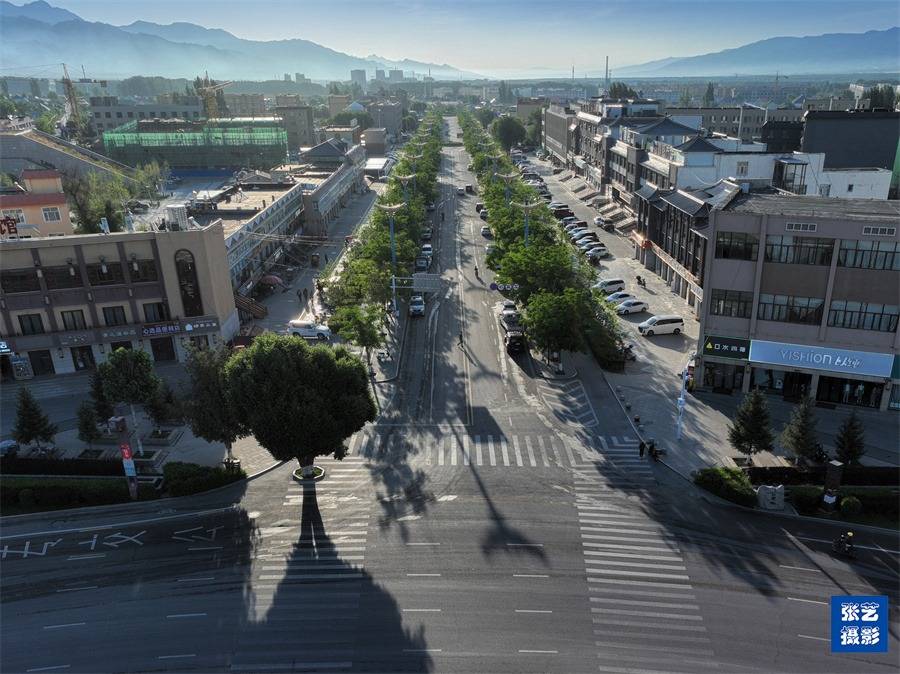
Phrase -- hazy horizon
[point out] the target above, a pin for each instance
(505, 38)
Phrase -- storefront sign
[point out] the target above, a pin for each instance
(160, 329)
(822, 358)
(726, 347)
(76, 339)
(4, 347)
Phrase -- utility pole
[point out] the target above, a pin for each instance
(527, 208)
(391, 210)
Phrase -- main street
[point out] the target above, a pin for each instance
(491, 520)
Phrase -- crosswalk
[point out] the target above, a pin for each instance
(569, 401)
(645, 614)
(317, 563)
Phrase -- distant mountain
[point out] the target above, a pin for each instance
(438, 71)
(873, 51)
(40, 33)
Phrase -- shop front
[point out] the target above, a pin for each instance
(724, 363)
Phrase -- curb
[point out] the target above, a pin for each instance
(399, 356)
(306, 480)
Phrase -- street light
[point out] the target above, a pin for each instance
(681, 403)
(507, 178)
(391, 210)
(405, 181)
(527, 208)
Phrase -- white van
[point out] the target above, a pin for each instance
(608, 286)
(665, 324)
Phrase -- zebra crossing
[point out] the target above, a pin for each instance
(623, 453)
(309, 564)
(569, 402)
(644, 611)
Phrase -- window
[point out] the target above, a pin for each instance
(97, 115)
(736, 246)
(863, 316)
(824, 190)
(31, 324)
(849, 188)
(800, 227)
(51, 214)
(788, 309)
(187, 283)
(98, 277)
(73, 320)
(130, 115)
(156, 312)
(114, 316)
(799, 250)
(743, 168)
(146, 271)
(108, 115)
(735, 303)
(119, 114)
(16, 213)
(19, 280)
(870, 230)
(869, 254)
(58, 278)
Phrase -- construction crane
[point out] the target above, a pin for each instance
(72, 93)
(208, 91)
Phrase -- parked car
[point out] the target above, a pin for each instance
(585, 244)
(470, 189)
(427, 250)
(416, 305)
(619, 297)
(632, 307)
(309, 330)
(514, 340)
(664, 324)
(479, 207)
(598, 220)
(569, 220)
(431, 206)
(546, 196)
(557, 170)
(426, 234)
(609, 285)
(422, 263)
(486, 231)
(575, 234)
(597, 253)
(483, 214)
(558, 204)
(508, 305)
(461, 191)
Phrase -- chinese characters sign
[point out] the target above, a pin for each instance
(726, 347)
(160, 329)
(859, 624)
(9, 226)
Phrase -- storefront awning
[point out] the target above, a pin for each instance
(825, 359)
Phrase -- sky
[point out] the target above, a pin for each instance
(510, 37)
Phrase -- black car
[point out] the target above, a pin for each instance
(422, 263)
(483, 214)
(514, 341)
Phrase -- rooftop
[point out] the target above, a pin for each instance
(777, 203)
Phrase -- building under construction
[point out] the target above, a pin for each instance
(240, 142)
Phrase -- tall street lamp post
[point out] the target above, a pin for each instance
(391, 210)
(404, 180)
(508, 179)
(527, 208)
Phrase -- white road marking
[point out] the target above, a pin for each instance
(806, 636)
(422, 650)
(172, 657)
(447, 497)
(421, 610)
(639, 574)
(48, 669)
(531, 610)
(799, 568)
(185, 615)
(808, 601)
(491, 457)
(538, 652)
(478, 461)
(440, 451)
(73, 558)
(524, 545)
(516, 450)
(215, 547)
(423, 543)
(423, 575)
(58, 627)
(530, 575)
(658, 604)
(530, 451)
(191, 580)
(75, 589)
(504, 451)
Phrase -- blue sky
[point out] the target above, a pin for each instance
(504, 37)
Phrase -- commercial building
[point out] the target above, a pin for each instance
(526, 106)
(803, 299)
(108, 112)
(358, 77)
(395, 75)
(350, 134)
(744, 122)
(297, 121)
(375, 142)
(67, 302)
(337, 103)
(35, 206)
(246, 105)
(387, 115)
(379, 75)
(254, 142)
(558, 132)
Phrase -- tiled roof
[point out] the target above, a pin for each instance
(666, 127)
(32, 199)
(698, 144)
(40, 173)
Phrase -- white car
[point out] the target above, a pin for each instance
(461, 191)
(585, 245)
(576, 233)
(666, 324)
(598, 220)
(416, 305)
(632, 307)
(427, 250)
(507, 306)
(485, 231)
(309, 330)
(597, 252)
(619, 297)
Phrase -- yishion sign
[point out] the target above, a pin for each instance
(821, 358)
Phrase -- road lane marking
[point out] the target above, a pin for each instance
(799, 568)
(646, 583)
(48, 669)
(97, 555)
(440, 451)
(185, 615)
(454, 455)
(524, 545)
(806, 636)
(423, 543)
(191, 580)
(422, 650)
(478, 461)
(75, 589)
(536, 652)
(631, 564)
(491, 457)
(423, 575)
(543, 451)
(172, 657)
(58, 627)
(530, 575)
(635, 602)
(531, 610)
(516, 450)
(465, 450)
(808, 601)
(530, 451)
(648, 614)
(421, 610)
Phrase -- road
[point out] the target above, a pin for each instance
(489, 521)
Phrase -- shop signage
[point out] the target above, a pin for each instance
(726, 347)
(822, 358)
(202, 324)
(160, 329)
(4, 347)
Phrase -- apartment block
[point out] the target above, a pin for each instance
(744, 122)
(35, 206)
(108, 112)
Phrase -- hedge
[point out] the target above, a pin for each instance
(852, 475)
(729, 483)
(183, 479)
(808, 499)
(48, 494)
(15, 465)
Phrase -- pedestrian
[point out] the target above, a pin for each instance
(642, 448)
(460, 338)
(326, 258)
(305, 295)
(299, 295)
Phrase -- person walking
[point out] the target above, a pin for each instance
(460, 343)
(642, 448)
(305, 295)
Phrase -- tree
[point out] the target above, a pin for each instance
(709, 98)
(750, 431)
(87, 424)
(299, 401)
(96, 196)
(799, 435)
(359, 325)
(156, 407)
(47, 123)
(363, 119)
(880, 97)
(508, 131)
(621, 90)
(128, 377)
(409, 123)
(209, 406)
(485, 116)
(556, 322)
(850, 442)
(32, 425)
(103, 409)
(535, 123)
(685, 101)
(535, 268)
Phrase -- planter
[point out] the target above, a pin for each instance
(91, 454)
(318, 474)
(166, 438)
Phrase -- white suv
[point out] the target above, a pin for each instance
(309, 330)
(416, 305)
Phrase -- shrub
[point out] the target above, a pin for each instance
(850, 505)
(14, 465)
(48, 494)
(806, 499)
(729, 483)
(853, 475)
(25, 498)
(183, 479)
(876, 501)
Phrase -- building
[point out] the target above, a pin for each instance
(558, 132)
(108, 112)
(350, 134)
(379, 75)
(387, 115)
(287, 77)
(16, 123)
(36, 204)
(526, 106)
(358, 77)
(337, 103)
(254, 142)
(68, 302)
(30, 148)
(744, 122)
(297, 121)
(288, 99)
(395, 76)
(802, 299)
(246, 105)
(374, 140)
(300, 78)
(782, 136)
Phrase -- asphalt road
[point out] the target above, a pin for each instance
(490, 521)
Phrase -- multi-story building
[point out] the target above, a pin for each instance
(288, 99)
(744, 122)
(246, 105)
(67, 302)
(375, 142)
(337, 103)
(350, 134)
(526, 106)
(802, 298)
(358, 77)
(395, 76)
(782, 136)
(108, 112)
(379, 75)
(35, 206)
(287, 77)
(387, 115)
(300, 78)
(299, 125)
(558, 132)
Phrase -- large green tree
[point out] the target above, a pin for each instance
(535, 123)
(485, 116)
(87, 424)
(535, 268)
(32, 425)
(621, 90)
(508, 131)
(128, 378)
(850, 442)
(556, 321)
(750, 431)
(799, 435)
(360, 326)
(299, 401)
(208, 406)
(709, 96)
(102, 407)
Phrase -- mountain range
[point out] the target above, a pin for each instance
(40, 33)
